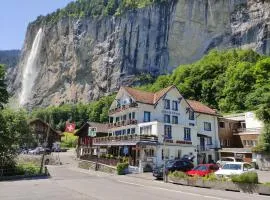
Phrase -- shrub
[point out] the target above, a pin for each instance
(249, 177)
(210, 177)
(27, 169)
(121, 167)
(178, 175)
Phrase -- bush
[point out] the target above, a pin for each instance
(27, 169)
(121, 167)
(178, 175)
(249, 177)
(69, 140)
(210, 177)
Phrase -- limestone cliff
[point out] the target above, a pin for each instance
(81, 59)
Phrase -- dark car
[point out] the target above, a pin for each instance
(171, 166)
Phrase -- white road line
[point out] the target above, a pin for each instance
(170, 190)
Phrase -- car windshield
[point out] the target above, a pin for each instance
(200, 168)
(169, 163)
(232, 166)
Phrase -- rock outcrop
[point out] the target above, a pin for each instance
(83, 59)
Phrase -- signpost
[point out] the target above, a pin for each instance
(92, 131)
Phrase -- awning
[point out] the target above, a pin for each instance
(202, 135)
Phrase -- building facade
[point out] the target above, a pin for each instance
(85, 142)
(239, 133)
(152, 127)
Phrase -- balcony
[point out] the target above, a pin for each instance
(122, 108)
(246, 130)
(124, 140)
(207, 147)
(123, 123)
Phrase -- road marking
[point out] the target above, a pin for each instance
(170, 190)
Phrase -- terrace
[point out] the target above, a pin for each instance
(124, 140)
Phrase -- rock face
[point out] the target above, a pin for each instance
(83, 59)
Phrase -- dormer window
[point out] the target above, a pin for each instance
(175, 105)
(167, 104)
(191, 115)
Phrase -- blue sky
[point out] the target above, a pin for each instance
(15, 16)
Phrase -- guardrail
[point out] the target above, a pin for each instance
(122, 123)
(123, 138)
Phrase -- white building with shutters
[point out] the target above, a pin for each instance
(150, 127)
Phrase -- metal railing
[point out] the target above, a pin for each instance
(124, 138)
(123, 107)
(123, 123)
(240, 130)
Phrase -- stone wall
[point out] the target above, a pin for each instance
(89, 165)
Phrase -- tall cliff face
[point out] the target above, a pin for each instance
(83, 59)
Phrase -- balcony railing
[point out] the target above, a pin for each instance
(241, 130)
(123, 138)
(207, 147)
(123, 107)
(123, 123)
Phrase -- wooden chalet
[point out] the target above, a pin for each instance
(85, 142)
(40, 130)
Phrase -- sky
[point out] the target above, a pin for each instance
(15, 15)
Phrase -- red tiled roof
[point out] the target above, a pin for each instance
(153, 98)
(201, 108)
(147, 97)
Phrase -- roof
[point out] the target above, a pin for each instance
(45, 124)
(101, 128)
(153, 98)
(201, 108)
(147, 97)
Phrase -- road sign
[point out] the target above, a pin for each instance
(92, 131)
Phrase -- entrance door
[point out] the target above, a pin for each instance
(202, 144)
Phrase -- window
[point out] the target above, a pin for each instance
(149, 152)
(191, 115)
(167, 118)
(167, 104)
(187, 136)
(209, 141)
(132, 130)
(175, 119)
(228, 143)
(125, 117)
(147, 116)
(128, 131)
(244, 142)
(168, 131)
(117, 119)
(175, 105)
(207, 126)
(130, 116)
(221, 124)
(111, 119)
(133, 115)
(146, 130)
(124, 132)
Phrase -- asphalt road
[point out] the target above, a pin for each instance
(71, 183)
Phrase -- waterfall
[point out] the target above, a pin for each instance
(30, 71)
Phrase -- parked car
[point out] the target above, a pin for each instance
(171, 166)
(203, 170)
(234, 168)
(37, 150)
(225, 160)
